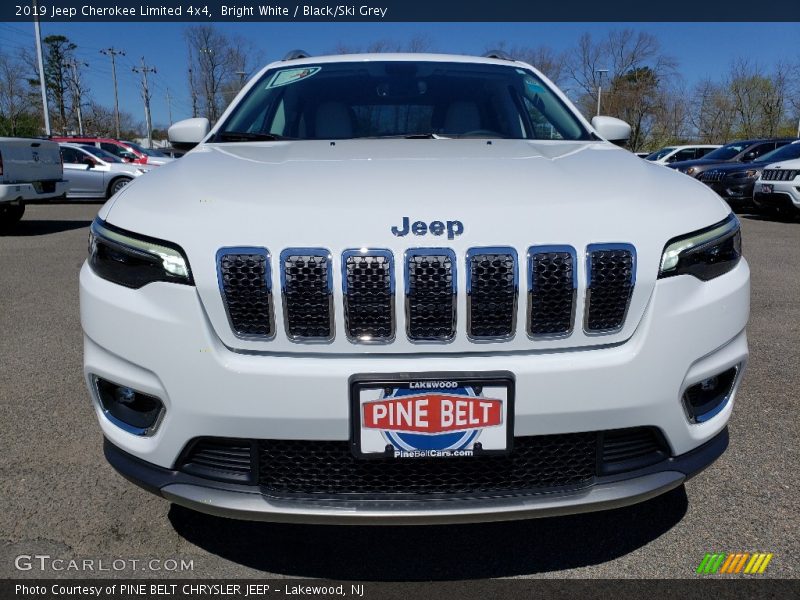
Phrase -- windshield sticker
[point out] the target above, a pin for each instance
(292, 76)
(533, 85)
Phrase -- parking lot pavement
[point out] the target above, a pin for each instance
(60, 498)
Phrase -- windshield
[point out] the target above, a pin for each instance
(728, 151)
(400, 99)
(788, 152)
(143, 150)
(660, 153)
(101, 154)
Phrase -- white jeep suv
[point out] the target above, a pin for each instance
(778, 188)
(411, 288)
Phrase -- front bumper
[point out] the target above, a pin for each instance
(738, 194)
(785, 196)
(158, 340)
(247, 502)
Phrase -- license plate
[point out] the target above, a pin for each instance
(431, 416)
(767, 188)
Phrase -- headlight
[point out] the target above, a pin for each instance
(749, 174)
(134, 260)
(706, 254)
(690, 170)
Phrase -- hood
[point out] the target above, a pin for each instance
(698, 162)
(350, 194)
(740, 166)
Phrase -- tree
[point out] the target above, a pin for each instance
(639, 83)
(218, 67)
(16, 98)
(58, 52)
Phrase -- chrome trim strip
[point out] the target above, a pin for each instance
(411, 252)
(234, 250)
(483, 251)
(320, 253)
(137, 431)
(390, 258)
(591, 248)
(546, 249)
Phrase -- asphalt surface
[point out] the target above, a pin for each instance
(58, 497)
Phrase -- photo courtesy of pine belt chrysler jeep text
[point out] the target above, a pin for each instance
(411, 288)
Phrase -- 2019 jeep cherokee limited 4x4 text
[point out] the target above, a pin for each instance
(411, 288)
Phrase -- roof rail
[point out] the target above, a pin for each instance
(295, 54)
(498, 54)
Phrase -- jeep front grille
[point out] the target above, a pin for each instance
(610, 272)
(245, 282)
(307, 286)
(491, 293)
(712, 176)
(552, 281)
(368, 288)
(431, 294)
(779, 174)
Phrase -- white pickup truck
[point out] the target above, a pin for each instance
(30, 169)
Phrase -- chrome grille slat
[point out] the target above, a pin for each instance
(368, 290)
(492, 288)
(430, 276)
(307, 286)
(610, 270)
(779, 174)
(245, 282)
(552, 286)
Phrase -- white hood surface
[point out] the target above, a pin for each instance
(350, 193)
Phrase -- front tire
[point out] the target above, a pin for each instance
(10, 215)
(116, 185)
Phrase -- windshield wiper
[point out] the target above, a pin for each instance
(247, 136)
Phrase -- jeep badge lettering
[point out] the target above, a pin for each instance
(454, 228)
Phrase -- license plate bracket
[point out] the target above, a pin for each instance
(431, 415)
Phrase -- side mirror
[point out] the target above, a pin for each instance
(88, 162)
(749, 157)
(189, 132)
(612, 129)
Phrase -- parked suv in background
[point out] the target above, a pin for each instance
(735, 181)
(670, 154)
(414, 288)
(119, 149)
(778, 188)
(744, 151)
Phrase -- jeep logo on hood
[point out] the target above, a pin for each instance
(453, 228)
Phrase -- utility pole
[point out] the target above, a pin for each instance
(169, 106)
(600, 87)
(76, 91)
(113, 52)
(42, 83)
(144, 70)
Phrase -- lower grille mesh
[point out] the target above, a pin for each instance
(329, 468)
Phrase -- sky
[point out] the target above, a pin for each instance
(701, 49)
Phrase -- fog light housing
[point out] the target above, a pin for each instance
(705, 399)
(129, 409)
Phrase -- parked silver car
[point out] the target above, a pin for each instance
(95, 173)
